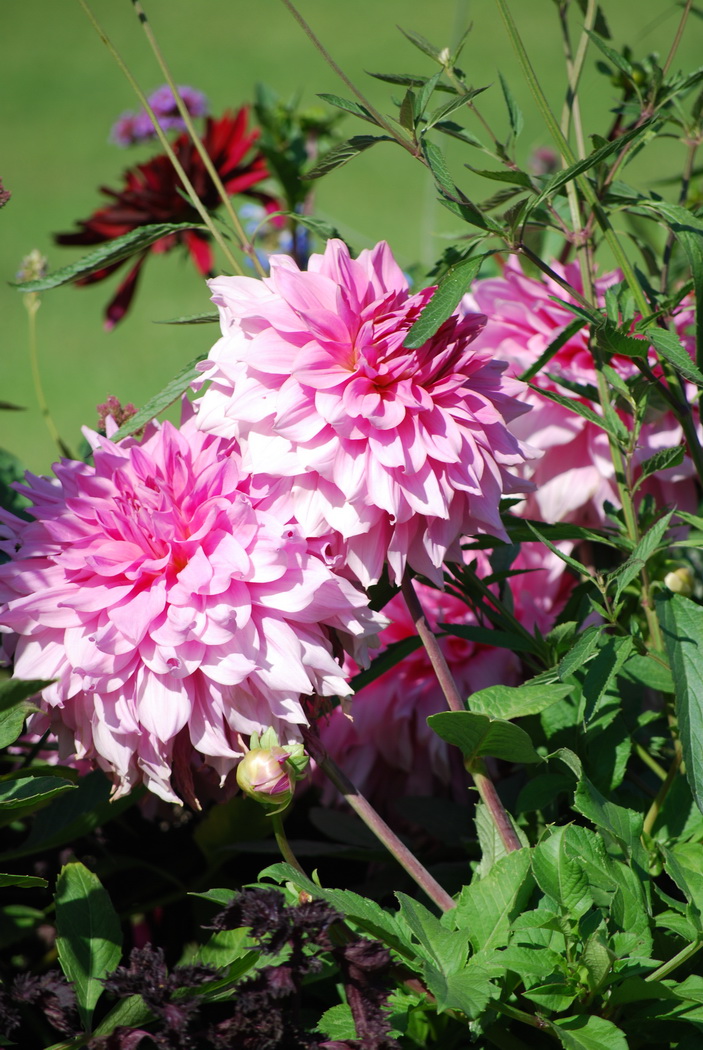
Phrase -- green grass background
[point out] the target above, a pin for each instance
(61, 92)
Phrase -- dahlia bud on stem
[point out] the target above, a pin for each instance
(476, 768)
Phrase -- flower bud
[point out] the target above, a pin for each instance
(680, 581)
(264, 774)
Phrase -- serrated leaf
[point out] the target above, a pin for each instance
(505, 701)
(624, 825)
(682, 626)
(487, 907)
(449, 107)
(23, 881)
(597, 157)
(559, 875)
(421, 43)
(24, 795)
(445, 300)
(348, 106)
(515, 178)
(478, 735)
(337, 1023)
(602, 671)
(647, 546)
(469, 991)
(107, 255)
(425, 94)
(406, 115)
(618, 60)
(669, 346)
(192, 319)
(130, 1013)
(577, 566)
(665, 459)
(574, 406)
(489, 636)
(581, 652)
(343, 153)
(589, 1033)
(13, 691)
(514, 114)
(89, 936)
(446, 948)
(161, 401)
(391, 656)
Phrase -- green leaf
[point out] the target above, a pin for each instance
(489, 636)
(130, 1013)
(391, 656)
(425, 94)
(684, 863)
(597, 157)
(577, 566)
(449, 107)
(589, 1033)
(406, 116)
(192, 319)
(422, 43)
(89, 940)
(670, 347)
(445, 948)
(506, 701)
(602, 672)
(575, 406)
(170, 393)
(487, 907)
(514, 178)
(348, 107)
(682, 626)
(23, 881)
(14, 707)
(107, 255)
(559, 875)
(469, 991)
(25, 795)
(583, 649)
(343, 153)
(514, 114)
(477, 735)
(624, 825)
(651, 542)
(226, 947)
(612, 884)
(447, 296)
(14, 691)
(688, 230)
(337, 1023)
(662, 460)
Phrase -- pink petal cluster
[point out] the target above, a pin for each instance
(575, 476)
(388, 749)
(175, 614)
(398, 452)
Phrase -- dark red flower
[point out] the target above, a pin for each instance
(152, 193)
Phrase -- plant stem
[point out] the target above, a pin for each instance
(678, 960)
(363, 808)
(32, 303)
(651, 762)
(380, 120)
(284, 845)
(677, 39)
(583, 184)
(166, 145)
(477, 769)
(244, 243)
(656, 806)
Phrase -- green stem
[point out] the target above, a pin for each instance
(363, 808)
(677, 39)
(477, 769)
(678, 960)
(246, 246)
(284, 845)
(166, 145)
(656, 806)
(380, 120)
(32, 303)
(583, 184)
(645, 756)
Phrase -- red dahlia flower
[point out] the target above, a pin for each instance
(152, 193)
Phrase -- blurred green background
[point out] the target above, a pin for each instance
(61, 93)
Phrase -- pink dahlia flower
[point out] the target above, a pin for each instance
(388, 749)
(175, 614)
(399, 452)
(575, 476)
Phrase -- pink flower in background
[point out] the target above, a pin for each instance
(175, 614)
(398, 451)
(388, 749)
(575, 476)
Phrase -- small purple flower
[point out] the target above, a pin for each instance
(131, 128)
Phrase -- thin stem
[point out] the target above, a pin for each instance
(284, 845)
(166, 145)
(363, 808)
(574, 68)
(656, 806)
(476, 767)
(677, 39)
(32, 303)
(380, 120)
(678, 960)
(656, 768)
(246, 246)
(583, 184)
